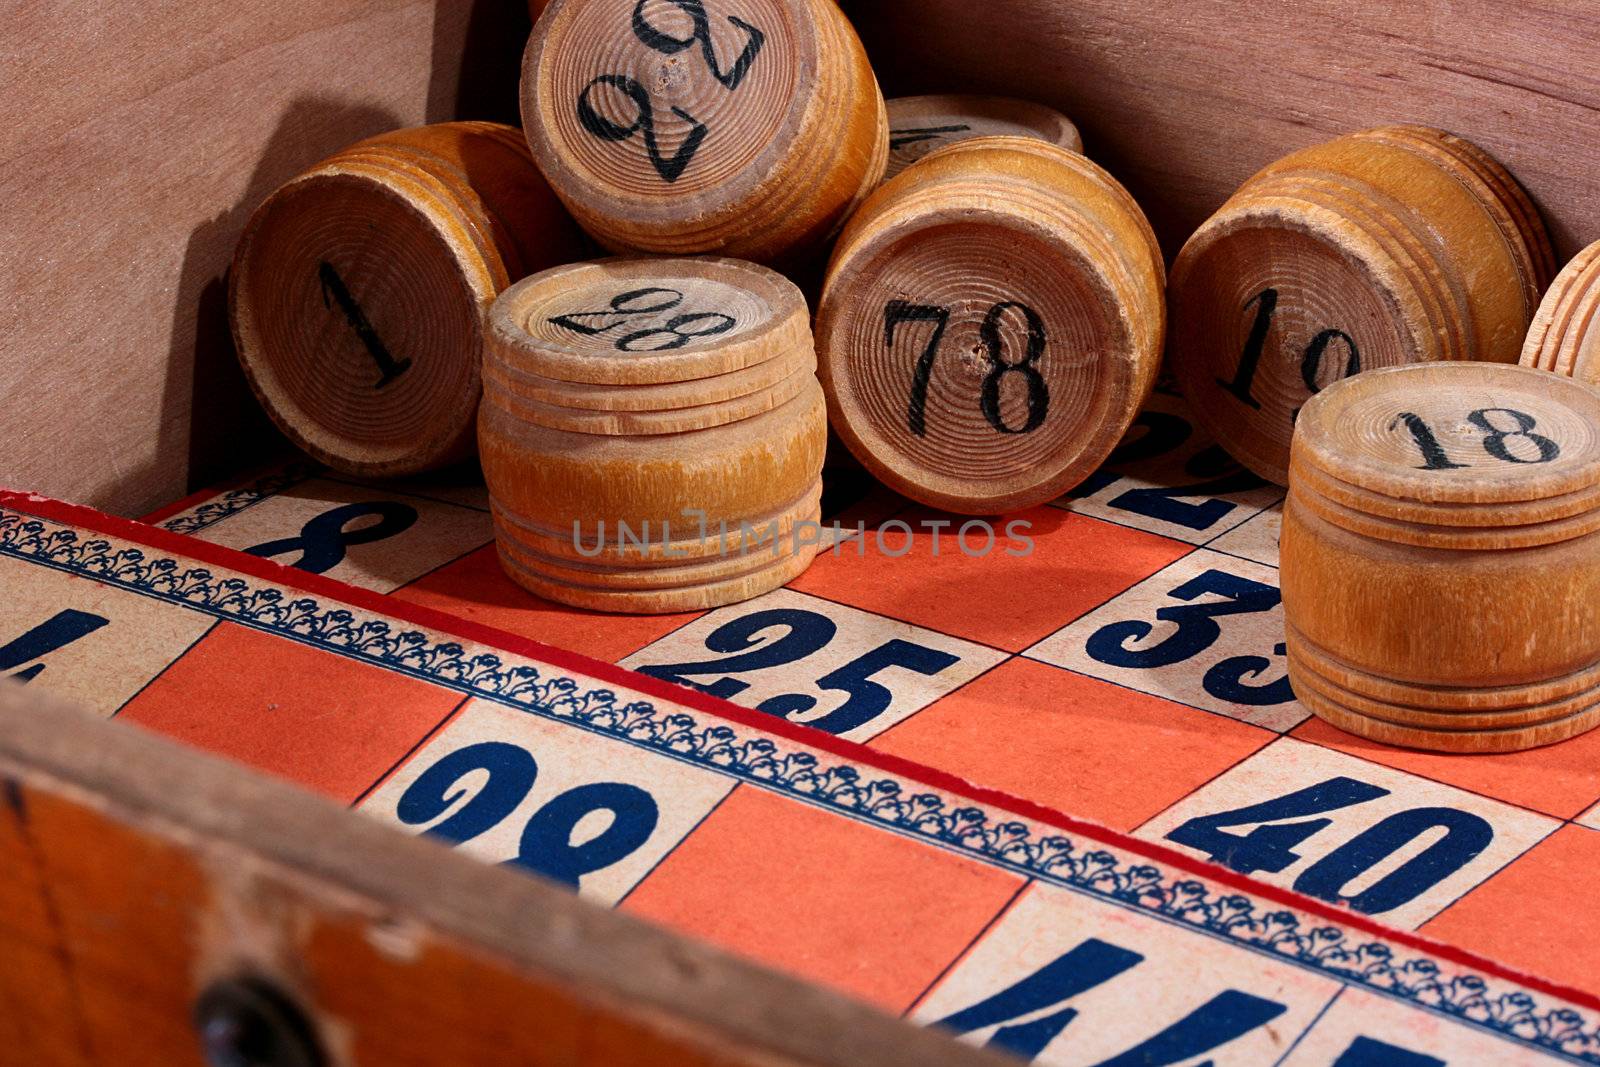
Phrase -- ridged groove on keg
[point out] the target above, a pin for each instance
(1563, 338)
(357, 290)
(1000, 281)
(1390, 246)
(1501, 195)
(919, 125)
(622, 441)
(1430, 439)
(749, 127)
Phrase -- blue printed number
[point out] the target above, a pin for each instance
(58, 631)
(803, 633)
(1228, 1015)
(1370, 1052)
(323, 540)
(1270, 846)
(1197, 631)
(547, 845)
(1217, 473)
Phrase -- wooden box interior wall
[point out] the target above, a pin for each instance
(141, 137)
(1184, 99)
(138, 139)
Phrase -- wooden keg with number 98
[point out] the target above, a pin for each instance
(1441, 556)
(652, 433)
(359, 287)
(991, 323)
(748, 128)
(1391, 246)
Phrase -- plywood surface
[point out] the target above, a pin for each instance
(138, 139)
(1184, 99)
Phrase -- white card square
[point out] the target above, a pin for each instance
(1364, 1028)
(343, 531)
(621, 806)
(1206, 630)
(1147, 975)
(1378, 822)
(1256, 539)
(92, 644)
(844, 670)
(1167, 477)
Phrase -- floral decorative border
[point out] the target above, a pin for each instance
(236, 500)
(1052, 858)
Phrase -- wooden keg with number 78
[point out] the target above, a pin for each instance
(991, 322)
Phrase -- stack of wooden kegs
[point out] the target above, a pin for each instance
(632, 471)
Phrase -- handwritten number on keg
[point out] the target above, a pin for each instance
(334, 291)
(58, 631)
(547, 844)
(898, 311)
(912, 134)
(894, 313)
(1271, 845)
(803, 633)
(644, 121)
(668, 45)
(323, 540)
(1496, 439)
(1266, 305)
(645, 302)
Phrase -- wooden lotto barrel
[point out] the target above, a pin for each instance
(920, 124)
(1564, 337)
(1392, 246)
(991, 323)
(652, 433)
(358, 290)
(749, 128)
(1441, 556)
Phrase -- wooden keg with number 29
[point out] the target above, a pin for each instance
(749, 128)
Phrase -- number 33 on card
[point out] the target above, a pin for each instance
(809, 660)
(1206, 631)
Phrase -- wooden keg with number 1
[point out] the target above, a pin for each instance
(358, 290)
(1391, 246)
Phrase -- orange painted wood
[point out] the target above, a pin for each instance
(749, 128)
(359, 288)
(135, 872)
(1389, 246)
(1441, 556)
(991, 322)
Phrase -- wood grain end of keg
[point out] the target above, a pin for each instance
(1381, 248)
(357, 290)
(990, 324)
(919, 125)
(748, 128)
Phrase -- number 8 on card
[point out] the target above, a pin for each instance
(991, 322)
